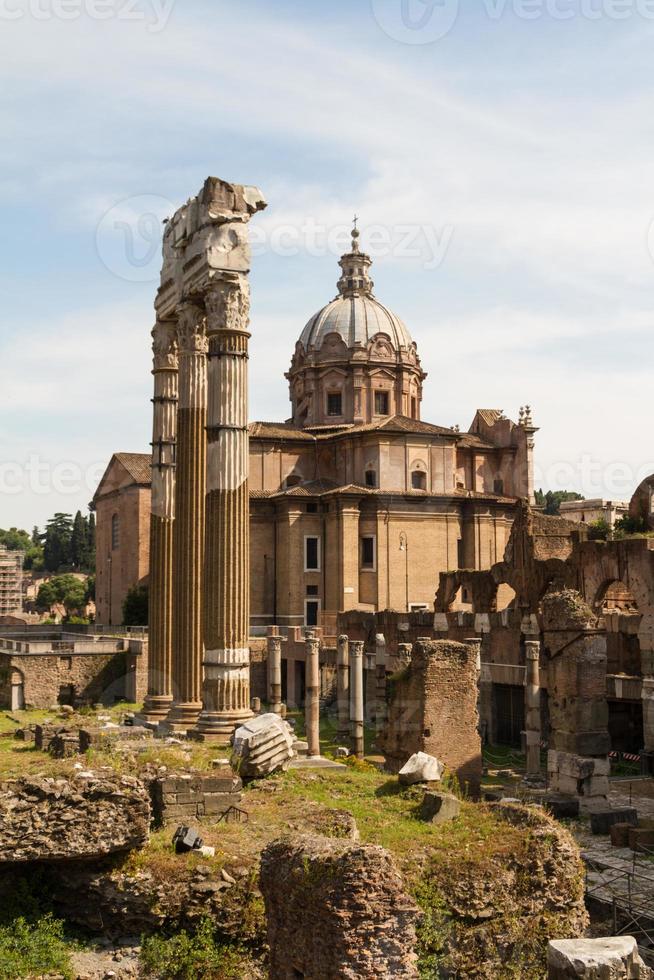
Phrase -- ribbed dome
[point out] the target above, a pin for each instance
(356, 319)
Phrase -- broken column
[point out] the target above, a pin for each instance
(343, 687)
(532, 705)
(312, 695)
(164, 428)
(433, 709)
(188, 533)
(203, 286)
(357, 707)
(336, 910)
(275, 671)
(577, 760)
(596, 959)
(226, 688)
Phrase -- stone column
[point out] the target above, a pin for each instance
(164, 429)
(474, 642)
(312, 695)
(343, 688)
(275, 672)
(532, 704)
(356, 688)
(380, 681)
(188, 534)
(226, 689)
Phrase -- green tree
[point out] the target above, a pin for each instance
(79, 542)
(90, 543)
(57, 542)
(599, 530)
(135, 606)
(64, 589)
(552, 500)
(17, 540)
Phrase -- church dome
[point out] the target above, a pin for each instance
(356, 319)
(355, 361)
(355, 315)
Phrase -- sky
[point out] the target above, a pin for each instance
(499, 156)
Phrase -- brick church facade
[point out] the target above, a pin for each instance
(356, 502)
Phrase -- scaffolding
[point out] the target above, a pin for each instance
(11, 581)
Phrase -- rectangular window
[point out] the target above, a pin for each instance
(334, 403)
(312, 590)
(368, 553)
(311, 612)
(371, 478)
(311, 554)
(312, 507)
(414, 408)
(381, 403)
(418, 607)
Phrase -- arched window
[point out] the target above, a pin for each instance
(418, 480)
(115, 532)
(371, 478)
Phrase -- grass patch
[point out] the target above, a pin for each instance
(197, 956)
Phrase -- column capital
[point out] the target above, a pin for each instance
(191, 329)
(227, 302)
(356, 648)
(532, 649)
(164, 346)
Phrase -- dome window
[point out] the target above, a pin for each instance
(381, 403)
(418, 480)
(371, 478)
(334, 403)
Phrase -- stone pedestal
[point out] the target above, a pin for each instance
(596, 959)
(164, 428)
(532, 705)
(357, 706)
(188, 534)
(312, 705)
(343, 687)
(226, 687)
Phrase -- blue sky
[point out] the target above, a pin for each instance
(499, 155)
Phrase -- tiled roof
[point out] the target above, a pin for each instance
(473, 440)
(313, 488)
(278, 430)
(138, 465)
(490, 415)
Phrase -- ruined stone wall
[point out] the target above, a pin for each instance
(93, 677)
(47, 819)
(336, 911)
(433, 709)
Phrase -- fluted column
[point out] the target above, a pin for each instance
(275, 672)
(343, 687)
(312, 695)
(226, 688)
(164, 431)
(532, 704)
(188, 536)
(356, 688)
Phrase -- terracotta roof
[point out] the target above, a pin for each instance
(138, 465)
(278, 430)
(490, 415)
(397, 423)
(472, 439)
(313, 488)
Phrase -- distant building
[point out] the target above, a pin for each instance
(122, 506)
(589, 511)
(11, 581)
(355, 502)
